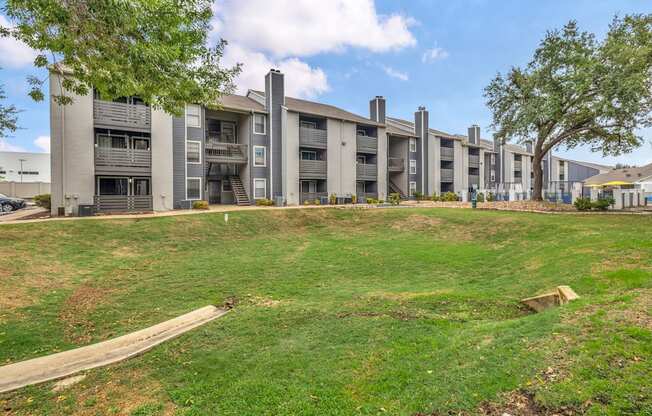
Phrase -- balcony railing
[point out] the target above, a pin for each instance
(518, 165)
(123, 203)
(219, 152)
(110, 114)
(316, 138)
(133, 158)
(474, 161)
(474, 180)
(395, 164)
(312, 196)
(362, 196)
(312, 169)
(446, 175)
(366, 172)
(367, 144)
(447, 153)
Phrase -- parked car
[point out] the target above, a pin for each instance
(8, 204)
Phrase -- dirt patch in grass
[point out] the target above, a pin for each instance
(534, 264)
(638, 313)
(416, 223)
(265, 302)
(74, 314)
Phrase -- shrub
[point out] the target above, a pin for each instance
(603, 204)
(306, 202)
(418, 196)
(43, 200)
(395, 198)
(479, 197)
(200, 205)
(317, 201)
(435, 198)
(381, 201)
(449, 196)
(583, 204)
(332, 199)
(354, 199)
(372, 201)
(491, 197)
(264, 202)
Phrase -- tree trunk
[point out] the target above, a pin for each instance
(538, 176)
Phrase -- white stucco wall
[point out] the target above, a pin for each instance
(162, 170)
(382, 164)
(341, 155)
(291, 159)
(436, 164)
(460, 175)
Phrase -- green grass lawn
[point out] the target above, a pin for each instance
(339, 312)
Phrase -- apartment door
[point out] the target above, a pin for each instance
(214, 194)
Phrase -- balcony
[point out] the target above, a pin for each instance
(111, 160)
(366, 144)
(123, 203)
(312, 169)
(312, 196)
(474, 180)
(518, 165)
(446, 175)
(220, 152)
(447, 153)
(474, 161)
(366, 172)
(112, 115)
(315, 138)
(395, 164)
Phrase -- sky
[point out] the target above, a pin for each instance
(435, 53)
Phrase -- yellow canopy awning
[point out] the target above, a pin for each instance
(612, 183)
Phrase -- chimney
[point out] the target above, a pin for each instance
(421, 131)
(377, 109)
(474, 134)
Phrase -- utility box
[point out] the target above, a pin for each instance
(86, 210)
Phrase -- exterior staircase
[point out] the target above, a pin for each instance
(395, 189)
(241, 197)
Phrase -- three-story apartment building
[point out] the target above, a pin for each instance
(121, 155)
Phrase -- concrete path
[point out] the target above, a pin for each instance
(63, 364)
(21, 213)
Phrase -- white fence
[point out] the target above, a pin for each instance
(24, 189)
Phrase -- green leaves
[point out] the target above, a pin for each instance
(154, 49)
(579, 91)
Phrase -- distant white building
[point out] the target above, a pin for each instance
(24, 167)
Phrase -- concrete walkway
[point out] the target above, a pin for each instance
(63, 364)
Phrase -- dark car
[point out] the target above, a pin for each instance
(8, 204)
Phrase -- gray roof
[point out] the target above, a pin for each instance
(240, 102)
(629, 175)
(323, 110)
(410, 124)
(587, 164)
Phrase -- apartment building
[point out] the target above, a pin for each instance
(121, 155)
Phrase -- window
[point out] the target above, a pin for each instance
(193, 115)
(308, 155)
(308, 124)
(112, 142)
(413, 145)
(113, 186)
(493, 159)
(260, 188)
(362, 159)
(413, 167)
(141, 186)
(361, 132)
(28, 172)
(259, 123)
(493, 175)
(413, 188)
(140, 144)
(193, 188)
(260, 156)
(308, 187)
(193, 152)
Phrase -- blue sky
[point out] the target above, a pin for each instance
(414, 52)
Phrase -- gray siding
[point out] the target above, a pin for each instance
(421, 131)
(275, 98)
(579, 173)
(179, 162)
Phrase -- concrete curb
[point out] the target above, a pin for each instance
(63, 364)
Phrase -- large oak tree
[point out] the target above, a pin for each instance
(154, 49)
(578, 90)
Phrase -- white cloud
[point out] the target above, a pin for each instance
(8, 147)
(395, 73)
(14, 53)
(308, 27)
(43, 143)
(434, 54)
(301, 80)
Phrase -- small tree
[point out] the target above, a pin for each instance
(8, 116)
(578, 91)
(156, 50)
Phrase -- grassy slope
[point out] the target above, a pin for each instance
(340, 312)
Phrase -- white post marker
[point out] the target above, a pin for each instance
(226, 217)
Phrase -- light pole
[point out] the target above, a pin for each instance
(21, 168)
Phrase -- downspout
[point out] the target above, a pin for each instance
(423, 155)
(251, 150)
(271, 141)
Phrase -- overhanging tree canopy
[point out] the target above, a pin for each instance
(154, 49)
(578, 91)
